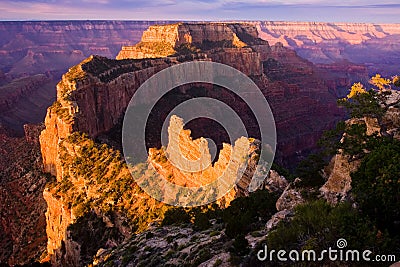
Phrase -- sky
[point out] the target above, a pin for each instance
(382, 11)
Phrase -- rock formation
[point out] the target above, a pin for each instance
(339, 170)
(32, 49)
(291, 85)
(92, 180)
(40, 47)
(327, 43)
(65, 155)
(338, 185)
(290, 198)
(317, 32)
(94, 187)
(22, 221)
(187, 162)
(223, 42)
(166, 40)
(93, 196)
(275, 182)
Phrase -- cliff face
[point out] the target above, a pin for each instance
(22, 207)
(59, 42)
(291, 84)
(315, 32)
(302, 100)
(222, 42)
(245, 60)
(373, 45)
(49, 49)
(198, 33)
(92, 97)
(92, 181)
(93, 185)
(96, 204)
(161, 41)
(297, 91)
(190, 164)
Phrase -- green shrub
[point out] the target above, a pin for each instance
(240, 246)
(176, 216)
(203, 255)
(217, 263)
(309, 170)
(376, 185)
(318, 226)
(201, 221)
(365, 104)
(244, 212)
(214, 233)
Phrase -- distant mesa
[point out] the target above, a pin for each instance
(306, 33)
(167, 40)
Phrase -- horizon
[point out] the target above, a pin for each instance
(195, 21)
(355, 11)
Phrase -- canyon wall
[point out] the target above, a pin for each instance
(298, 92)
(22, 181)
(375, 46)
(26, 44)
(12, 92)
(50, 48)
(166, 40)
(29, 48)
(91, 99)
(317, 32)
(92, 182)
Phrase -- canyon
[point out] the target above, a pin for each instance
(22, 206)
(28, 49)
(297, 91)
(49, 48)
(91, 187)
(376, 46)
(91, 99)
(92, 183)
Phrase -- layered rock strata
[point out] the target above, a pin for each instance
(373, 45)
(93, 186)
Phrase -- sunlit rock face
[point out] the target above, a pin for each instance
(35, 54)
(166, 40)
(92, 98)
(317, 32)
(226, 43)
(187, 162)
